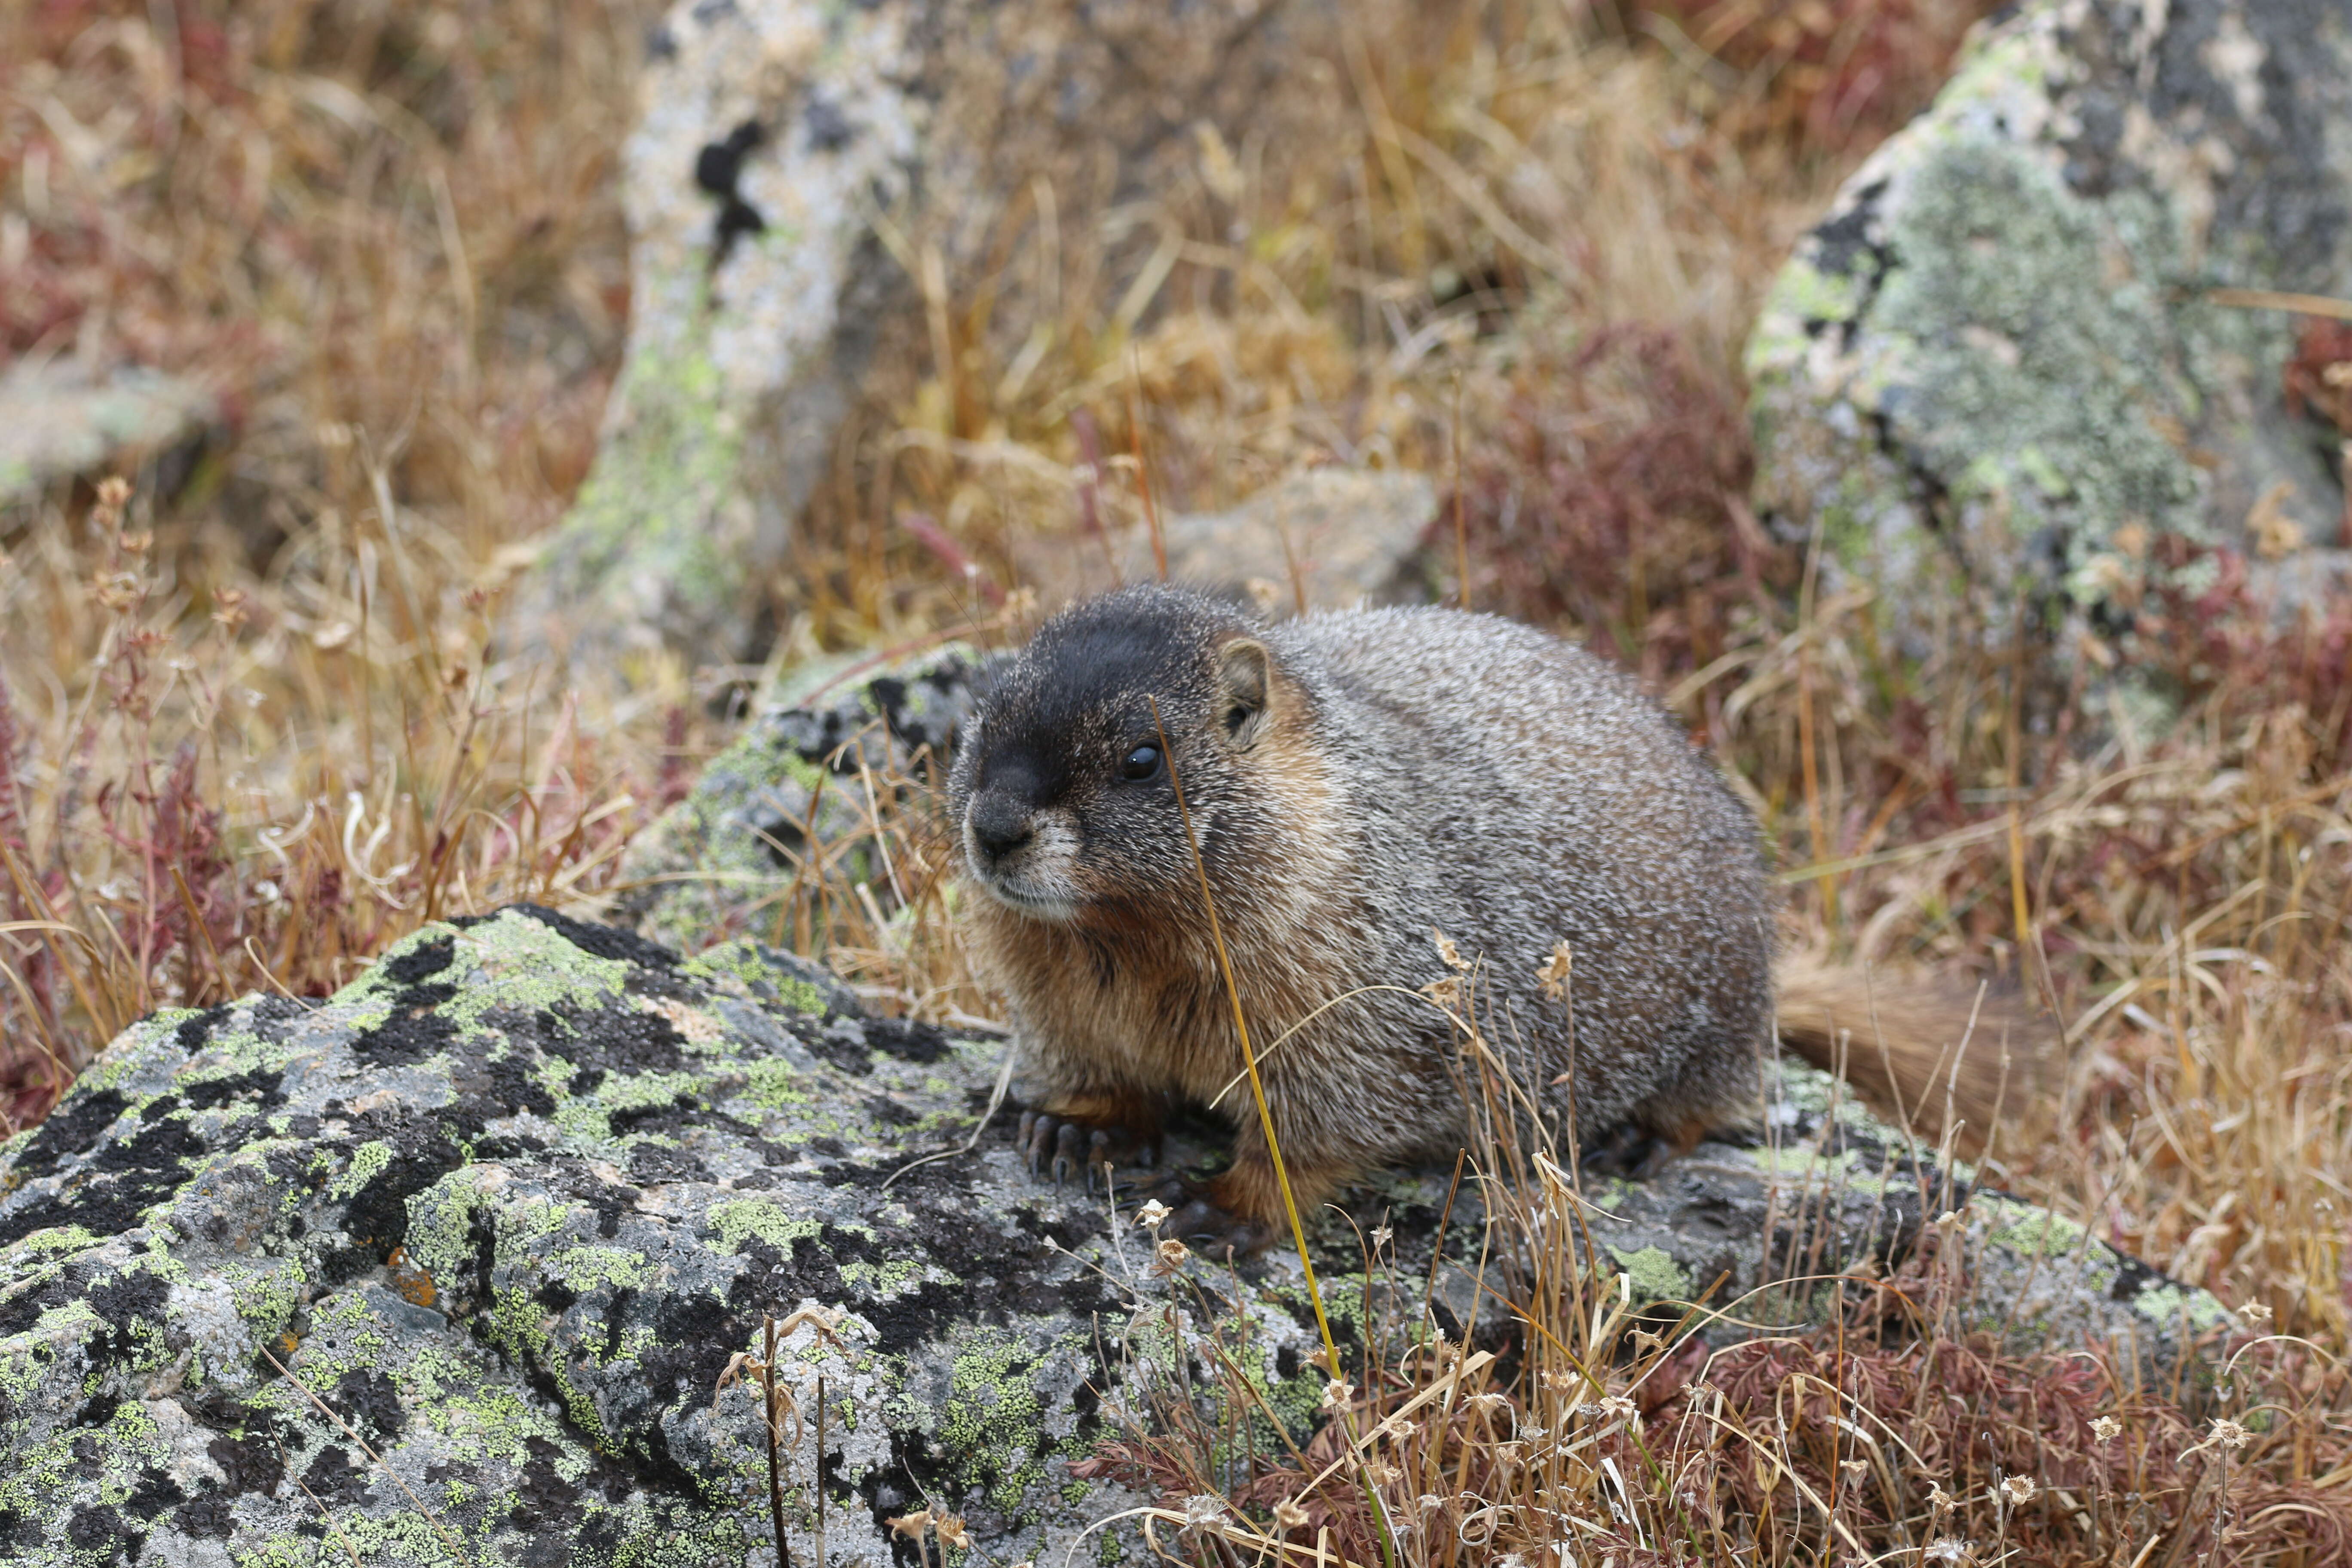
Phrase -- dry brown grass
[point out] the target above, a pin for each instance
(392, 238)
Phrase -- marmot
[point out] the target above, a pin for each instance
(1359, 782)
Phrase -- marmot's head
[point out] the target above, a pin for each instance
(1064, 798)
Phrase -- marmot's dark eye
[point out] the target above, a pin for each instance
(1143, 762)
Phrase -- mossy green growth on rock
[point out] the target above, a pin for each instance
(724, 861)
(507, 1207)
(659, 534)
(1994, 374)
(513, 1206)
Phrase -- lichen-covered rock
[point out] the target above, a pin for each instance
(719, 863)
(57, 420)
(453, 1268)
(1829, 1189)
(1994, 370)
(503, 1210)
(797, 166)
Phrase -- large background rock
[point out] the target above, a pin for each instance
(1992, 371)
(798, 167)
(60, 419)
(1336, 537)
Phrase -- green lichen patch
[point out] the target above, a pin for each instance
(651, 497)
(737, 1221)
(993, 1420)
(1653, 1274)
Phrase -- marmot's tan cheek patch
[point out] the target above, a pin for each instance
(1297, 781)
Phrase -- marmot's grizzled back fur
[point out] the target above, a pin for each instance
(1359, 781)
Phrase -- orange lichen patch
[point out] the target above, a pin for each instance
(287, 1343)
(412, 1284)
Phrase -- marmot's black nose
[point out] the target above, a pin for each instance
(999, 826)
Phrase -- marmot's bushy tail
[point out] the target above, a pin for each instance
(1906, 1043)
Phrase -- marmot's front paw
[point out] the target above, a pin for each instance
(1050, 1142)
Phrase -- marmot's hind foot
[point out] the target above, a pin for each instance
(1058, 1144)
(1206, 1225)
(1638, 1152)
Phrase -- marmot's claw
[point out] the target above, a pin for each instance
(1027, 1139)
(1051, 1145)
(1069, 1140)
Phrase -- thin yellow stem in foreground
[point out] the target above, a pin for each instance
(1249, 1057)
(1265, 1115)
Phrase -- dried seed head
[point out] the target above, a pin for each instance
(1288, 1515)
(1450, 955)
(2018, 1491)
(1151, 1214)
(1949, 1551)
(1338, 1394)
(2256, 1313)
(2230, 1434)
(2105, 1429)
(1554, 974)
(1204, 1510)
(952, 1531)
(911, 1525)
(1171, 1253)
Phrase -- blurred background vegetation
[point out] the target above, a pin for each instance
(255, 721)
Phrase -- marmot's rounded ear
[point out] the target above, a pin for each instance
(1244, 689)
